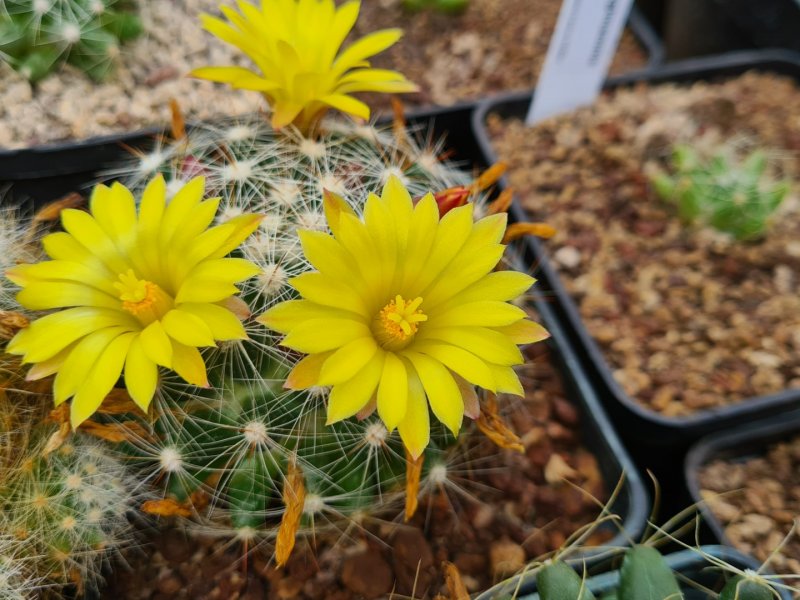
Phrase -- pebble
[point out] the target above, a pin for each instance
(506, 558)
(367, 574)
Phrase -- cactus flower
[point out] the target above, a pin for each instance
(296, 46)
(131, 291)
(405, 311)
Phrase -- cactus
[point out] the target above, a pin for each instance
(733, 196)
(449, 7)
(37, 36)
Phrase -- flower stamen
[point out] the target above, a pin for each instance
(143, 299)
(398, 321)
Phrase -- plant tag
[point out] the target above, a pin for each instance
(580, 53)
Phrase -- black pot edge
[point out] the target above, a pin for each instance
(646, 35)
(596, 428)
(679, 561)
(741, 442)
(55, 159)
(648, 425)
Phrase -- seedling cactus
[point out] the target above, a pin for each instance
(450, 7)
(734, 196)
(37, 36)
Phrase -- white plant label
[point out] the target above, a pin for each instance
(580, 53)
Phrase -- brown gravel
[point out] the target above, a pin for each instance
(511, 507)
(759, 502)
(496, 45)
(687, 318)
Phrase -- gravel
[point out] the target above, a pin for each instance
(687, 318)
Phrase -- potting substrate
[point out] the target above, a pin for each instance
(496, 45)
(757, 500)
(688, 319)
(491, 515)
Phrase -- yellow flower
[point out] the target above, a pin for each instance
(138, 291)
(295, 44)
(404, 306)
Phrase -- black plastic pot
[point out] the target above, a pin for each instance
(737, 445)
(666, 437)
(40, 172)
(686, 562)
(597, 432)
(766, 23)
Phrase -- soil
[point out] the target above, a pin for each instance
(757, 501)
(512, 507)
(688, 319)
(496, 45)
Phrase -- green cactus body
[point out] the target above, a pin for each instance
(732, 196)
(645, 575)
(559, 581)
(38, 36)
(748, 587)
(65, 511)
(236, 440)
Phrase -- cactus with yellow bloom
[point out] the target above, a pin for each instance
(283, 381)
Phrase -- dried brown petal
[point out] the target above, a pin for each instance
(167, 507)
(455, 586)
(518, 230)
(413, 475)
(294, 497)
(493, 426)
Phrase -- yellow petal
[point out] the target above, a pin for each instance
(348, 360)
(326, 254)
(442, 390)
(78, 365)
(85, 229)
(115, 211)
(507, 380)
(141, 375)
(200, 290)
(500, 286)
(328, 291)
(187, 328)
(188, 363)
(484, 343)
(334, 206)
(45, 295)
(287, 315)
(305, 374)
(524, 332)
(458, 360)
(392, 391)
(415, 428)
(49, 335)
(243, 226)
(156, 344)
(222, 323)
(100, 381)
(320, 335)
(347, 104)
(346, 399)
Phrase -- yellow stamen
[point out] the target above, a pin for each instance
(143, 299)
(398, 321)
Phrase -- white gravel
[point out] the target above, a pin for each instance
(152, 69)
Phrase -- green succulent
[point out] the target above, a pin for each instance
(38, 36)
(451, 7)
(734, 196)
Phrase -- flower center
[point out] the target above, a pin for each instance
(397, 322)
(143, 299)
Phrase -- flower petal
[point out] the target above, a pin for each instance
(319, 335)
(305, 374)
(188, 363)
(392, 391)
(141, 375)
(524, 332)
(187, 328)
(442, 390)
(78, 365)
(222, 323)
(346, 399)
(348, 360)
(157, 345)
(100, 380)
(458, 360)
(415, 427)
(482, 342)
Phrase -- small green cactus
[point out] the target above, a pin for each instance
(65, 511)
(645, 575)
(450, 7)
(37, 36)
(733, 196)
